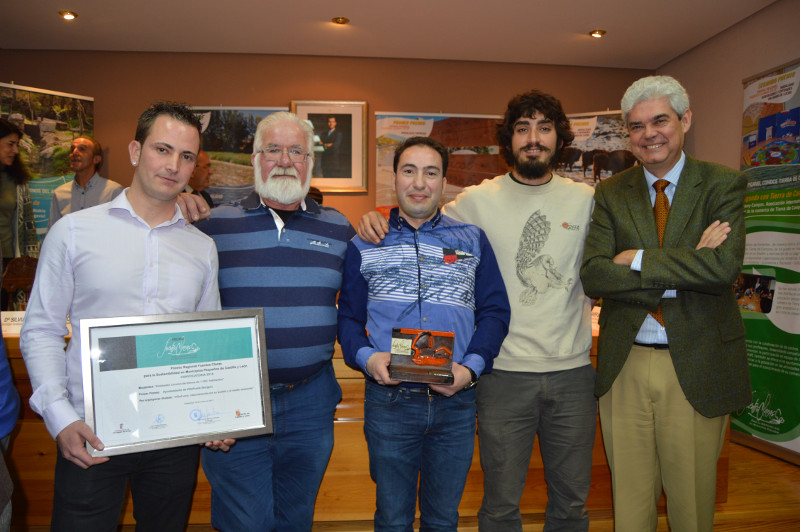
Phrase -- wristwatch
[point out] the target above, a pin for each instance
(474, 381)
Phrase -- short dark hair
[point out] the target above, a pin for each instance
(97, 149)
(19, 174)
(421, 141)
(178, 111)
(526, 105)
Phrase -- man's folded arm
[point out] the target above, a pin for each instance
(600, 275)
(710, 269)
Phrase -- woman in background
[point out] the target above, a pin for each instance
(17, 237)
(17, 228)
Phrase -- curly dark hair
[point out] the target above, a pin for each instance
(19, 174)
(526, 105)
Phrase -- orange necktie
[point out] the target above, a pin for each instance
(661, 213)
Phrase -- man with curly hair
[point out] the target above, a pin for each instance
(542, 382)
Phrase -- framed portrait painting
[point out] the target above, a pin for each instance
(340, 143)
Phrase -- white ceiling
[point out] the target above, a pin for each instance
(642, 34)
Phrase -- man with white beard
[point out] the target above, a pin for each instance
(281, 251)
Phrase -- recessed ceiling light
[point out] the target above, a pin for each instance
(340, 20)
(68, 15)
(597, 33)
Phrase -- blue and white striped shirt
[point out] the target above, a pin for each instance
(293, 272)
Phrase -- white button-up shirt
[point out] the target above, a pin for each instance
(102, 262)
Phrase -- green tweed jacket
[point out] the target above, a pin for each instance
(704, 325)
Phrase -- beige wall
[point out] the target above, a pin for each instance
(713, 72)
(123, 84)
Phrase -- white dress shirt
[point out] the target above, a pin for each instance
(101, 262)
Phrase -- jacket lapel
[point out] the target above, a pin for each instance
(683, 202)
(638, 198)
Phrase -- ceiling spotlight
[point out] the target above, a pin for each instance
(597, 33)
(68, 15)
(340, 20)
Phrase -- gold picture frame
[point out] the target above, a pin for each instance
(340, 144)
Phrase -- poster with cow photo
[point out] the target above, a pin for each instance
(601, 147)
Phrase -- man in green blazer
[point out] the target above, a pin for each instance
(672, 362)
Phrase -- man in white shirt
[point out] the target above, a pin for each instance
(133, 256)
(87, 189)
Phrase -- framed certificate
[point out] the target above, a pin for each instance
(152, 382)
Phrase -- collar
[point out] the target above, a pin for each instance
(89, 184)
(121, 204)
(517, 181)
(302, 207)
(530, 190)
(672, 176)
(253, 202)
(398, 222)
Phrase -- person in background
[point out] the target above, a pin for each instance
(201, 178)
(332, 154)
(87, 189)
(17, 227)
(315, 194)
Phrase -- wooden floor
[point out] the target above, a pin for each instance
(763, 496)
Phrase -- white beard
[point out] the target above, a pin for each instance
(281, 190)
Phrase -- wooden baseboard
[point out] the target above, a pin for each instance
(347, 492)
(764, 446)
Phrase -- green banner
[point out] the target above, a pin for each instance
(768, 292)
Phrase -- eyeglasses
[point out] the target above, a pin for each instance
(274, 154)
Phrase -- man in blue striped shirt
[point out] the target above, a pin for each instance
(435, 273)
(281, 251)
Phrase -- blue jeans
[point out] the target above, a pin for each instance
(513, 407)
(413, 437)
(270, 483)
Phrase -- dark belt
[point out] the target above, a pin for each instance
(652, 346)
(289, 386)
(423, 390)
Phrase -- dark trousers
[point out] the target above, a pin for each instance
(162, 483)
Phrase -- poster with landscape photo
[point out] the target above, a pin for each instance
(228, 135)
(50, 121)
(469, 139)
